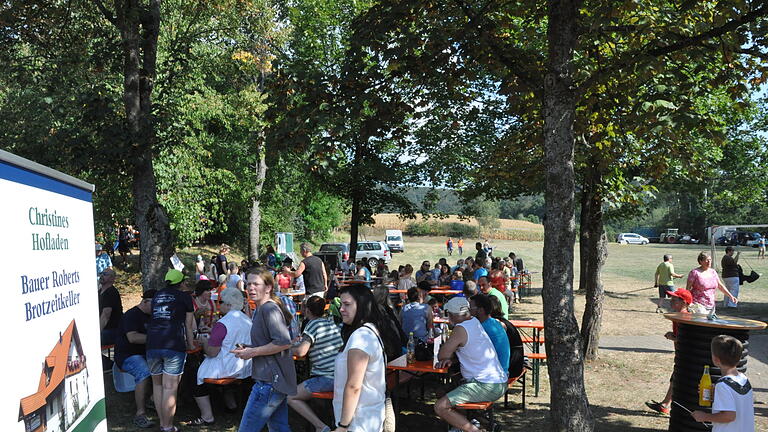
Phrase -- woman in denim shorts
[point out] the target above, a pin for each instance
(169, 336)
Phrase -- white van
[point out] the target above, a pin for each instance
(394, 239)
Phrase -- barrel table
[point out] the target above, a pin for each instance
(692, 352)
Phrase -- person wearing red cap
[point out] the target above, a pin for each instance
(680, 300)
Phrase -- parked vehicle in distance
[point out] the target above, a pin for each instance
(687, 239)
(632, 238)
(753, 239)
(652, 234)
(394, 239)
(336, 247)
(332, 259)
(374, 251)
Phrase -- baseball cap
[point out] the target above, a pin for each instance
(174, 276)
(99, 247)
(457, 305)
(683, 294)
(148, 294)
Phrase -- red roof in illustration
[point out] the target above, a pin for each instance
(54, 371)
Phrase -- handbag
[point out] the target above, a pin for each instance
(424, 351)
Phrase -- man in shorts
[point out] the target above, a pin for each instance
(483, 378)
(130, 353)
(761, 247)
(664, 279)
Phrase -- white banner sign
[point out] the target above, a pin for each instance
(52, 360)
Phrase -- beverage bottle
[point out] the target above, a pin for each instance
(411, 356)
(705, 388)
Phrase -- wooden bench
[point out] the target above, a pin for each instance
(530, 339)
(321, 396)
(537, 358)
(224, 382)
(221, 381)
(484, 407)
(510, 384)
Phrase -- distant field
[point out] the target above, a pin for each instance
(393, 221)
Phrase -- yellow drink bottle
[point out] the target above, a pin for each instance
(705, 388)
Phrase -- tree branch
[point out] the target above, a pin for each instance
(754, 51)
(600, 75)
(512, 58)
(106, 12)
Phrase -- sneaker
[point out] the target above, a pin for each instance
(476, 423)
(453, 429)
(199, 422)
(658, 407)
(143, 422)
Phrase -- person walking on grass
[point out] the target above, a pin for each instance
(449, 246)
(730, 273)
(460, 245)
(761, 247)
(664, 279)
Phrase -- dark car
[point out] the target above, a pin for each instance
(336, 247)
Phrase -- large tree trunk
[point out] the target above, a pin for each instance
(156, 245)
(255, 232)
(569, 407)
(354, 223)
(583, 242)
(139, 30)
(593, 232)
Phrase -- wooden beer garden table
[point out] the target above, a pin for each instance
(534, 341)
(400, 365)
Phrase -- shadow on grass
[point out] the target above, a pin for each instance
(638, 350)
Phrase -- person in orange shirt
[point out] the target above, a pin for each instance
(460, 245)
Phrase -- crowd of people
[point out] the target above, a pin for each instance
(245, 323)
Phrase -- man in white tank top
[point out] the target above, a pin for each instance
(483, 377)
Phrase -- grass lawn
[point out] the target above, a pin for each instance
(617, 383)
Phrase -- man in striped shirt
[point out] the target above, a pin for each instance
(321, 340)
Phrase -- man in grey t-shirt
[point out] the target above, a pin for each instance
(273, 368)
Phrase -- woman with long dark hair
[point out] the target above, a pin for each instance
(360, 386)
(273, 368)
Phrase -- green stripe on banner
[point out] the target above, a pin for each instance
(97, 414)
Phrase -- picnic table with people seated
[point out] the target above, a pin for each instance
(341, 339)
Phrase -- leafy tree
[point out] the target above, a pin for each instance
(593, 50)
(341, 114)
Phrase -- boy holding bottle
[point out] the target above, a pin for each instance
(733, 409)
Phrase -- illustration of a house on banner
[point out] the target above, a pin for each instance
(62, 392)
